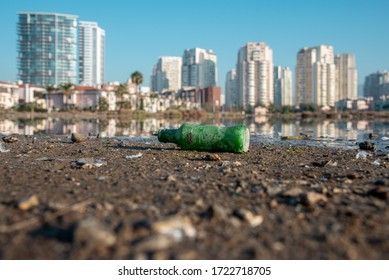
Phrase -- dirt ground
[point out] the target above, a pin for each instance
(107, 199)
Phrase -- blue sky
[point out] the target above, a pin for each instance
(138, 32)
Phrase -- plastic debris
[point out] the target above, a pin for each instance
(377, 162)
(134, 156)
(10, 139)
(369, 146)
(2, 149)
(202, 137)
(362, 155)
(385, 138)
(89, 163)
(295, 137)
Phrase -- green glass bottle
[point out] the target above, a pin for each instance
(202, 137)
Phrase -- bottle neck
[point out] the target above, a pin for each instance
(167, 136)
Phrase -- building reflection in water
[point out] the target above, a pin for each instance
(351, 130)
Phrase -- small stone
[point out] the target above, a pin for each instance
(368, 146)
(314, 197)
(273, 203)
(248, 216)
(373, 135)
(218, 212)
(278, 246)
(28, 202)
(293, 192)
(78, 137)
(379, 192)
(175, 227)
(155, 243)
(171, 178)
(93, 234)
(10, 139)
(211, 157)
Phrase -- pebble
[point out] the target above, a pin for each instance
(28, 202)
(379, 192)
(212, 157)
(373, 135)
(293, 192)
(175, 227)
(314, 197)
(368, 146)
(155, 243)
(78, 137)
(171, 178)
(10, 139)
(93, 234)
(218, 212)
(252, 219)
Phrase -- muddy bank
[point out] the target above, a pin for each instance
(107, 199)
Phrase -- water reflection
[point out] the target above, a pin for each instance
(348, 130)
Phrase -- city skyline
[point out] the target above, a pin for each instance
(134, 43)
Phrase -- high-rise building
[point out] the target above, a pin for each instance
(47, 48)
(255, 75)
(167, 74)
(346, 77)
(315, 76)
(376, 85)
(199, 68)
(91, 54)
(231, 89)
(283, 86)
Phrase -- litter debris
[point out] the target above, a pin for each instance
(362, 155)
(10, 139)
(202, 137)
(377, 162)
(134, 156)
(368, 146)
(295, 137)
(2, 149)
(385, 138)
(89, 163)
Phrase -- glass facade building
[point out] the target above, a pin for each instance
(47, 48)
(91, 51)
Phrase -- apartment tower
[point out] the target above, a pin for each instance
(91, 54)
(231, 89)
(199, 68)
(283, 86)
(315, 76)
(255, 75)
(47, 48)
(346, 77)
(167, 74)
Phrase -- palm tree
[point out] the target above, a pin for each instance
(67, 91)
(137, 78)
(49, 89)
(121, 90)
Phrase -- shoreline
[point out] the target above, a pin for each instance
(105, 199)
(195, 115)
